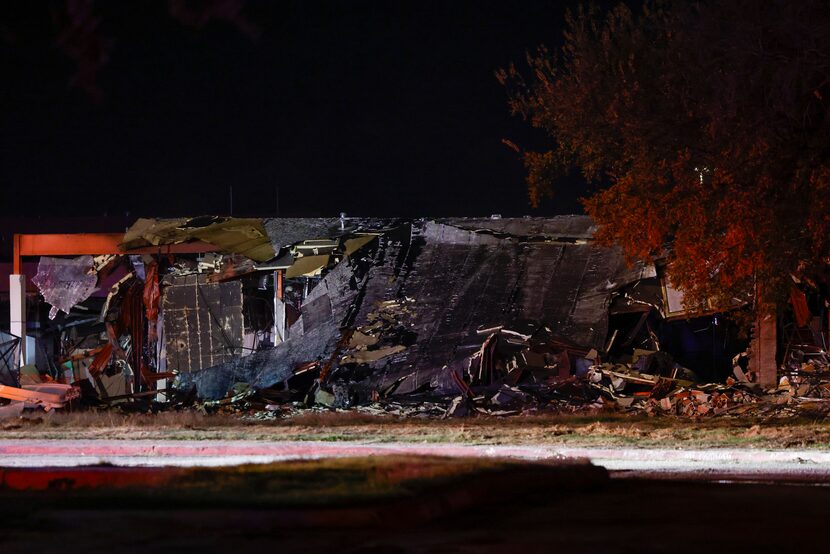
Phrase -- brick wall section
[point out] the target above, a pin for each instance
(763, 350)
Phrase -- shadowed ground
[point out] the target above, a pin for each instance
(416, 506)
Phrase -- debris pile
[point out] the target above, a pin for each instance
(805, 391)
(417, 318)
(384, 335)
(527, 354)
(41, 396)
(532, 371)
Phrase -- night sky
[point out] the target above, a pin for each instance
(371, 108)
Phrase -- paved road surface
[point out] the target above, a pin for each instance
(714, 464)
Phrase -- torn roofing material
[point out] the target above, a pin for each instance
(245, 236)
(329, 308)
(568, 228)
(287, 231)
(239, 236)
(154, 232)
(454, 281)
(461, 281)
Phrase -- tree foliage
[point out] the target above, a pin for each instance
(707, 123)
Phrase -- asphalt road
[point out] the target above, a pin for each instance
(714, 464)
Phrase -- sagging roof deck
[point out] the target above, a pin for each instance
(446, 279)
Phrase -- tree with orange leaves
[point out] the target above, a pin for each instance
(706, 127)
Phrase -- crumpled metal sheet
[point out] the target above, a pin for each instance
(245, 236)
(65, 282)
(154, 232)
(237, 235)
(307, 265)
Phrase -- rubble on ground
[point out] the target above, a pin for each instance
(457, 317)
(516, 387)
(41, 397)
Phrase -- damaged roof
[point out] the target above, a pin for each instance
(245, 236)
(456, 276)
(567, 228)
(462, 281)
(287, 231)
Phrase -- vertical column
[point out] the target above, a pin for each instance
(17, 312)
(763, 350)
(279, 309)
(161, 358)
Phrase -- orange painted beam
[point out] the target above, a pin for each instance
(18, 263)
(77, 244)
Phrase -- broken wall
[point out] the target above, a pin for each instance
(454, 281)
(203, 322)
(329, 307)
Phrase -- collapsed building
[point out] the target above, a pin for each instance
(347, 311)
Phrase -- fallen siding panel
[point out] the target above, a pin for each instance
(203, 323)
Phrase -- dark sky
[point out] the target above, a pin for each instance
(372, 108)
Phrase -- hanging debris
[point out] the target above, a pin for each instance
(457, 317)
(65, 282)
